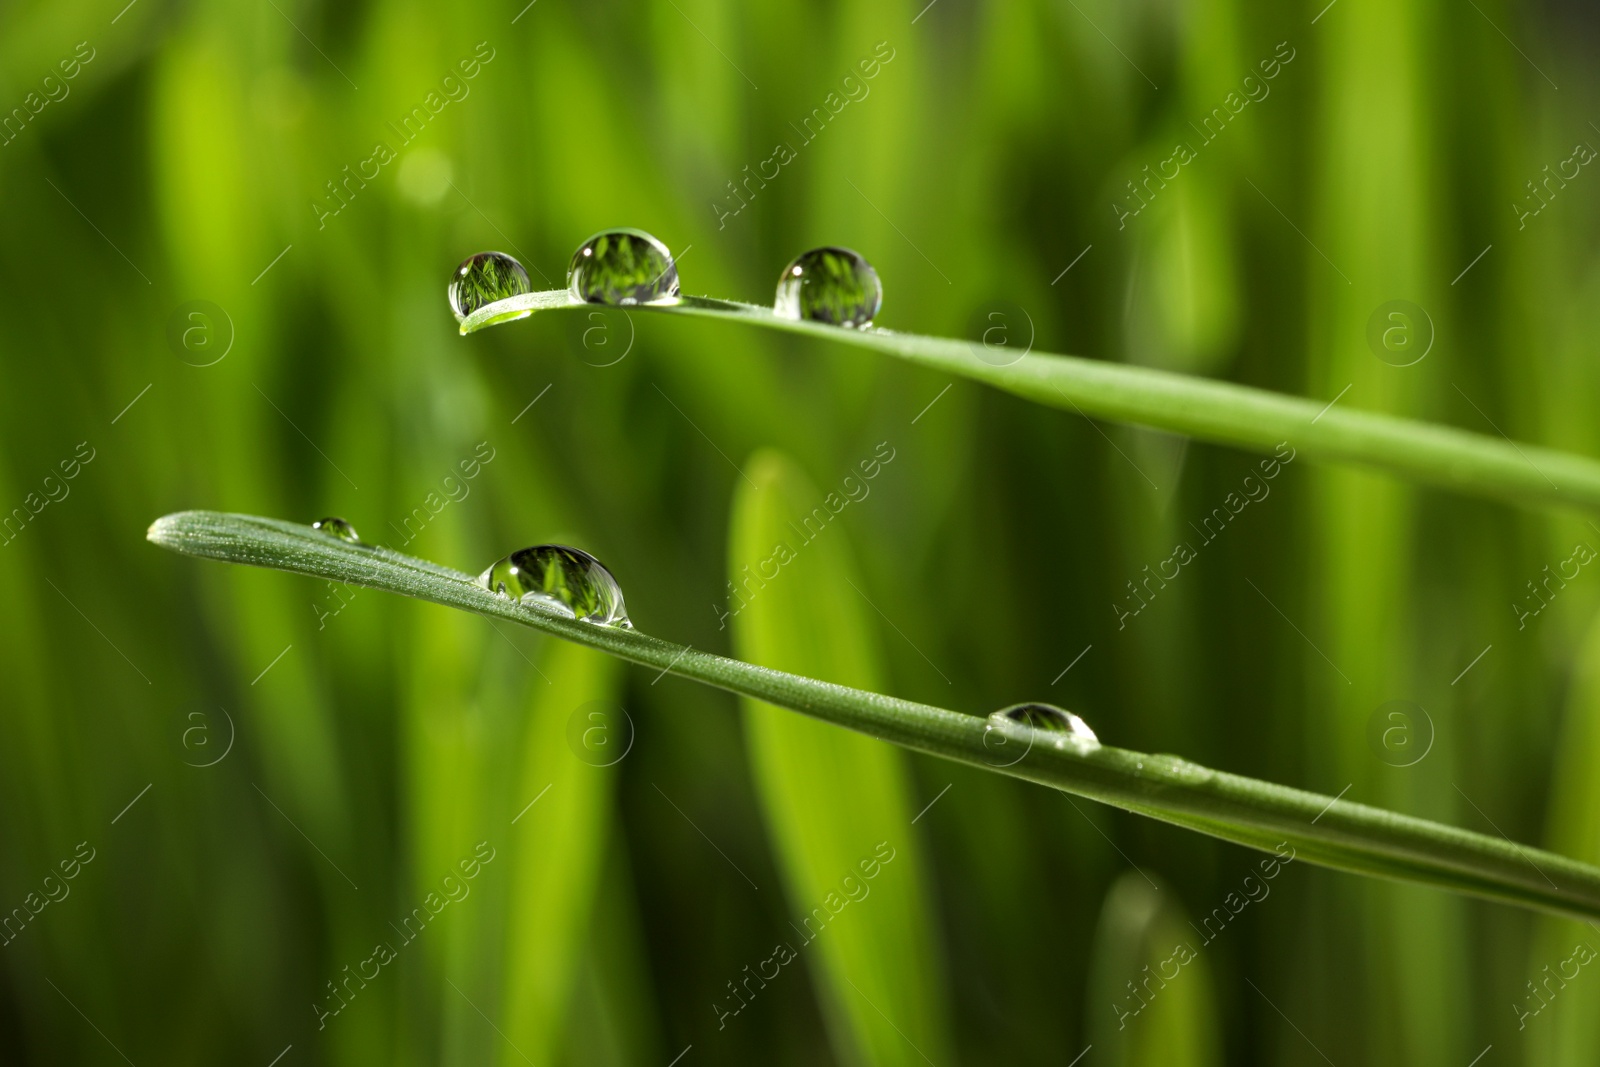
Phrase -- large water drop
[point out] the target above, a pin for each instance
(832, 285)
(334, 526)
(484, 279)
(567, 581)
(1047, 724)
(623, 268)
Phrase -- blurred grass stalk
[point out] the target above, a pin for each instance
(1562, 1024)
(1151, 1001)
(832, 799)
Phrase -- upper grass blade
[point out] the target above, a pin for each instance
(1321, 830)
(834, 800)
(1219, 412)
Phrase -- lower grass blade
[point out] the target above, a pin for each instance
(1322, 830)
(1220, 412)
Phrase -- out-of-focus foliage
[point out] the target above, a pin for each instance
(1148, 967)
(314, 172)
(836, 803)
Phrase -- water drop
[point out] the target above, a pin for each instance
(334, 526)
(1058, 726)
(484, 279)
(832, 285)
(623, 268)
(567, 581)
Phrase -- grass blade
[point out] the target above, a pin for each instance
(1326, 831)
(558, 846)
(1219, 412)
(1568, 1034)
(832, 798)
(1151, 1001)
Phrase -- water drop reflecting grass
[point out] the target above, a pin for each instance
(623, 268)
(564, 580)
(1045, 724)
(486, 278)
(1220, 413)
(832, 285)
(337, 527)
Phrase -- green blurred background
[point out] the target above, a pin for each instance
(254, 779)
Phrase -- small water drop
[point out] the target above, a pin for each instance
(623, 268)
(832, 285)
(567, 581)
(334, 526)
(1062, 726)
(484, 279)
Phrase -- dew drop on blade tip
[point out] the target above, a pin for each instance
(832, 285)
(563, 580)
(334, 526)
(1047, 723)
(486, 278)
(623, 268)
